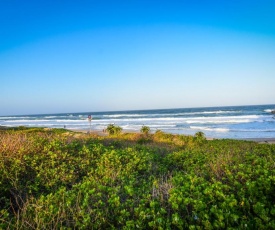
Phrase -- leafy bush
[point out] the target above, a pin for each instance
(113, 130)
(200, 137)
(145, 129)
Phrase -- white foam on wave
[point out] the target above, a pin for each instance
(198, 113)
(228, 119)
(269, 110)
(215, 112)
(209, 129)
(156, 122)
(49, 117)
(218, 121)
(25, 121)
(7, 118)
(125, 115)
(44, 121)
(71, 121)
(253, 130)
(171, 114)
(162, 125)
(138, 126)
(55, 116)
(223, 119)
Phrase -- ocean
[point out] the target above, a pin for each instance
(236, 122)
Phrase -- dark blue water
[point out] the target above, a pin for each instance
(217, 122)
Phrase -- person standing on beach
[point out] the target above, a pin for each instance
(90, 120)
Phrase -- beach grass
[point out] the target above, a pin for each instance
(59, 179)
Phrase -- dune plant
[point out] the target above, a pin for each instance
(145, 129)
(200, 137)
(113, 129)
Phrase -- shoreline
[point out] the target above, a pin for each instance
(259, 140)
(269, 140)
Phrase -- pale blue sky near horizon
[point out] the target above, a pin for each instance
(87, 56)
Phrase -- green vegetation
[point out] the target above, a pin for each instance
(55, 179)
(113, 129)
(145, 129)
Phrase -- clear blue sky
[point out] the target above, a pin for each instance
(76, 56)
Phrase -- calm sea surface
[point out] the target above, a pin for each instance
(217, 122)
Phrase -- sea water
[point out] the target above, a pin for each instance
(218, 122)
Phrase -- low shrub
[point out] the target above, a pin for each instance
(113, 129)
(145, 129)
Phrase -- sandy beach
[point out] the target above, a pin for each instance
(101, 133)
